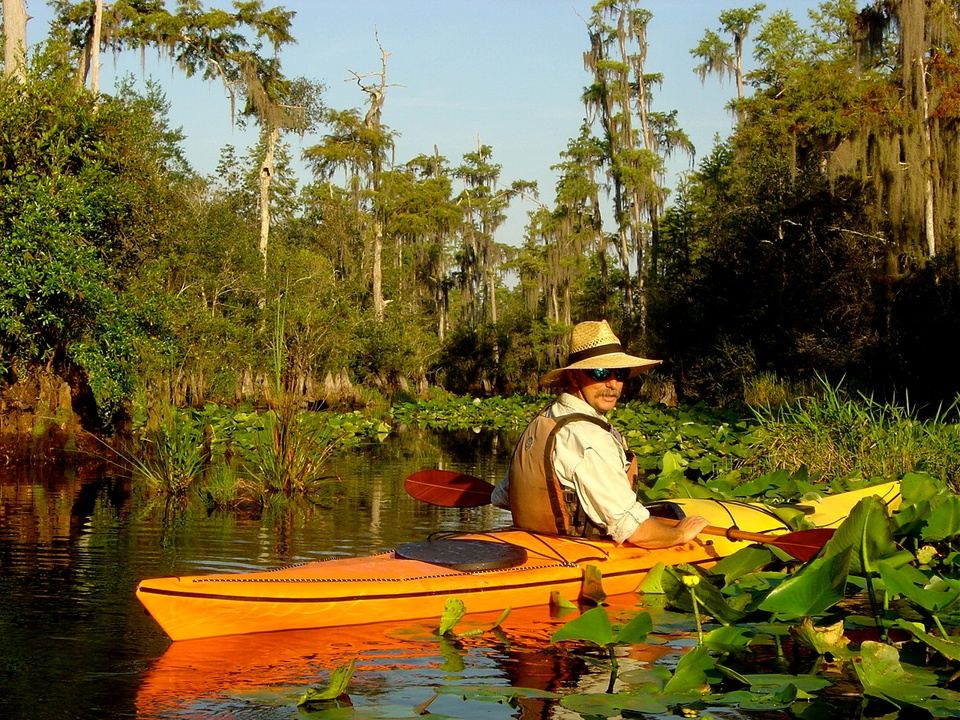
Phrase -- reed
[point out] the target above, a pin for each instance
(171, 456)
(835, 433)
(291, 450)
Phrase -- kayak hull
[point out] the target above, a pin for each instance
(389, 588)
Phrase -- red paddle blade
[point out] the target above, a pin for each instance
(804, 544)
(447, 488)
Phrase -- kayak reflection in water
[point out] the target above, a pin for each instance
(571, 472)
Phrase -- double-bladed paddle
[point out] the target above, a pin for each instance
(448, 488)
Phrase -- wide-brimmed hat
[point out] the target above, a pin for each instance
(593, 345)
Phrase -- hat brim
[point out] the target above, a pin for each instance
(636, 364)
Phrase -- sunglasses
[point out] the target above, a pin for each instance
(604, 374)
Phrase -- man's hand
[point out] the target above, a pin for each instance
(655, 534)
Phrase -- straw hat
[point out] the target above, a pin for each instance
(593, 345)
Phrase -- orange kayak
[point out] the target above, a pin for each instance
(488, 571)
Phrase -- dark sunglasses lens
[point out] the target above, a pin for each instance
(599, 374)
(604, 374)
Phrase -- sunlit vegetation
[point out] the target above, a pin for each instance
(233, 333)
(231, 458)
(839, 433)
(806, 242)
(830, 439)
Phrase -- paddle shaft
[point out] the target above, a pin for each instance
(730, 533)
(800, 544)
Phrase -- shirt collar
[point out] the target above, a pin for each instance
(572, 404)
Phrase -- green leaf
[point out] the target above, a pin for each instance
(453, 611)
(635, 631)
(559, 602)
(656, 676)
(591, 589)
(728, 639)
(672, 462)
(743, 562)
(823, 640)
(776, 681)
(944, 520)
(652, 581)
(817, 587)
(912, 584)
(336, 686)
(691, 672)
(593, 627)
(947, 647)
(492, 693)
(592, 705)
(867, 532)
(882, 675)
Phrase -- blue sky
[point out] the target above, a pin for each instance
(506, 73)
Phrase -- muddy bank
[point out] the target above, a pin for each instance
(43, 421)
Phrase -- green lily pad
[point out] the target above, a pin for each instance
(613, 704)
(884, 676)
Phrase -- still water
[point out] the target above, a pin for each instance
(75, 642)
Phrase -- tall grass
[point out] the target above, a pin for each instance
(170, 453)
(290, 453)
(835, 434)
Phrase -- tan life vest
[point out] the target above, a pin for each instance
(538, 501)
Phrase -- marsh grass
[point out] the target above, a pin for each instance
(290, 452)
(768, 390)
(171, 456)
(838, 434)
(223, 487)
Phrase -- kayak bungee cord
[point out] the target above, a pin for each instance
(551, 553)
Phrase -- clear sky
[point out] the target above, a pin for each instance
(505, 73)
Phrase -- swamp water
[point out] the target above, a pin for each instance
(75, 642)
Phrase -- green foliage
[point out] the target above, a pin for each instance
(333, 695)
(392, 351)
(465, 413)
(883, 675)
(171, 458)
(232, 457)
(843, 434)
(82, 192)
(751, 599)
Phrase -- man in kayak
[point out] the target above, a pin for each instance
(570, 473)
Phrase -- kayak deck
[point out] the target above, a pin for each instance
(388, 588)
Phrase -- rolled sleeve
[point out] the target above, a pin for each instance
(607, 498)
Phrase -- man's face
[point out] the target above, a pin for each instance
(601, 395)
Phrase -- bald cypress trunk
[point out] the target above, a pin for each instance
(15, 39)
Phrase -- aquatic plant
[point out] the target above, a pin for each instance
(287, 455)
(845, 434)
(333, 695)
(171, 457)
(465, 413)
(594, 627)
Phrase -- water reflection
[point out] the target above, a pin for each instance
(399, 667)
(75, 643)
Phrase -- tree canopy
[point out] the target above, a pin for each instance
(819, 237)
